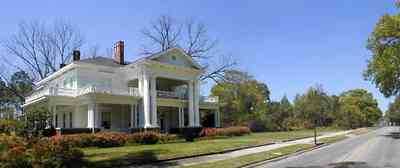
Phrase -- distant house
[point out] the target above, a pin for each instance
(160, 91)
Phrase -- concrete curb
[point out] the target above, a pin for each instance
(214, 153)
(232, 150)
(252, 165)
(299, 152)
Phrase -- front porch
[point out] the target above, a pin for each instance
(113, 113)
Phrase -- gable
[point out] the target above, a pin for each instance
(176, 57)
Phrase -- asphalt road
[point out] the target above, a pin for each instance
(377, 149)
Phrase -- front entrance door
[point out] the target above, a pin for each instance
(106, 120)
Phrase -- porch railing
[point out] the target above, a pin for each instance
(54, 91)
(209, 99)
(171, 95)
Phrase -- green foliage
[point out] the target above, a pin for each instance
(11, 126)
(358, 109)
(314, 106)
(280, 114)
(242, 98)
(384, 66)
(36, 120)
(393, 113)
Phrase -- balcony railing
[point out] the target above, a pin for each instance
(54, 91)
(170, 95)
(209, 99)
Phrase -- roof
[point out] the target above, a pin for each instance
(102, 61)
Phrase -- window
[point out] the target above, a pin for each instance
(173, 58)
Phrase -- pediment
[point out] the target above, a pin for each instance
(176, 57)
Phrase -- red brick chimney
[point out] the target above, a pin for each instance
(119, 52)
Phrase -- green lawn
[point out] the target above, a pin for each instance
(329, 140)
(253, 158)
(107, 157)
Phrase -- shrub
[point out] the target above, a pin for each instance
(230, 131)
(55, 153)
(10, 126)
(148, 137)
(258, 125)
(191, 133)
(13, 152)
(166, 138)
(109, 139)
(98, 140)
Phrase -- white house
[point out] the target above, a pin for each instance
(159, 91)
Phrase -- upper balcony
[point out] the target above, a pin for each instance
(56, 91)
(132, 91)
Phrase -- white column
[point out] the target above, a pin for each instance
(153, 90)
(91, 114)
(217, 118)
(196, 100)
(191, 104)
(146, 102)
(54, 109)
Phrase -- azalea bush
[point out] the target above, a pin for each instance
(54, 153)
(148, 137)
(16, 152)
(229, 131)
(97, 140)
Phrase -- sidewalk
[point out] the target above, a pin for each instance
(237, 153)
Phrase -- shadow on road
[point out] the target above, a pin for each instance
(394, 135)
(341, 165)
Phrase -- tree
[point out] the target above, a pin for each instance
(359, 108)
(393, 113)
(242, 98)
(313, 105)
(193, 37)
(384, 67)
(39, 49)
(280, 114)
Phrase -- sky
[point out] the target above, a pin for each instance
(289, 45)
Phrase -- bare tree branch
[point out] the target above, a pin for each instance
(39, 50)
(165, 33)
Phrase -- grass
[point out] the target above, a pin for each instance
(253, 158)
(126, 155)
(329, 140)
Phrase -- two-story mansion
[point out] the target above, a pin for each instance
(159, 91)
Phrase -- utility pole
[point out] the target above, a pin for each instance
(315, 132)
